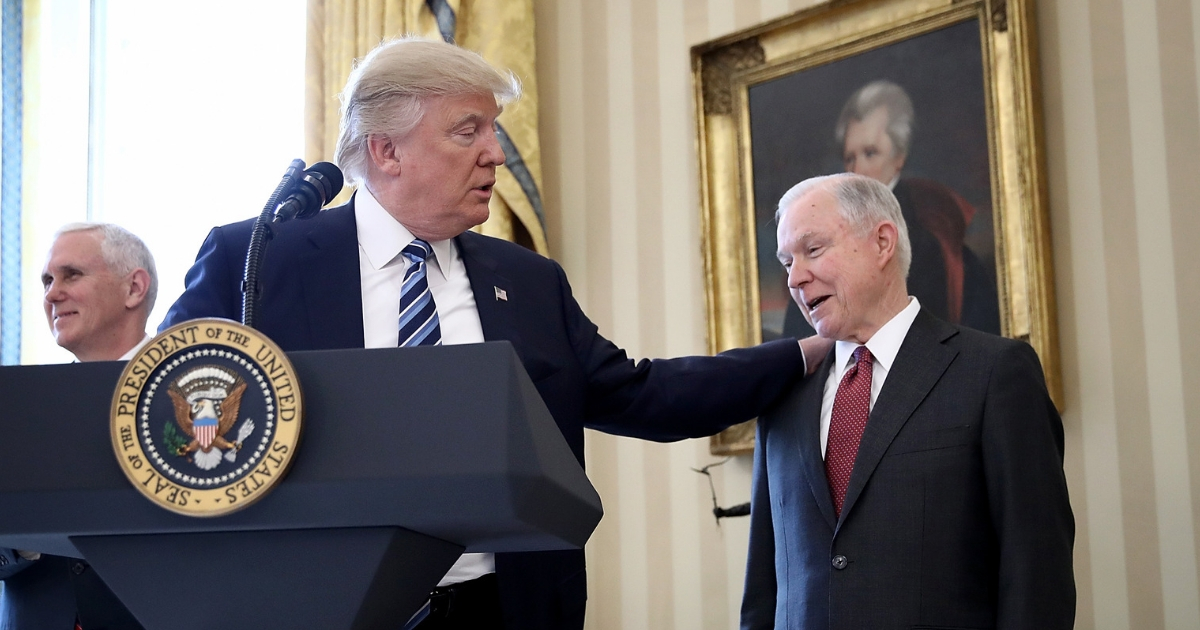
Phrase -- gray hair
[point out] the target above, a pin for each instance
(122, 251)
(387, 90)
(863, 202)
(871, 97)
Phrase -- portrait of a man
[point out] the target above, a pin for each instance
(911, 115)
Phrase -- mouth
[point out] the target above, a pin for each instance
(815, 302)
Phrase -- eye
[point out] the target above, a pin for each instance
(46, 280)
(871, 152)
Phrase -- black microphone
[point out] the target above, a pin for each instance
(315, 187)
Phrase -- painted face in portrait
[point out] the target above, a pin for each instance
(444, 169)
(869, 150)
(835, 275)
(85, 302)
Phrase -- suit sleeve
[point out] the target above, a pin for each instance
(758, 597)
(210, 285)
(12, 563)
(673, 399)
(1031, 513)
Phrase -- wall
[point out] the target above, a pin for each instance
(1122, 119)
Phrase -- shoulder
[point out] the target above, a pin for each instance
(928, 192)
(992, 357)
(503, 255)
(331, 221)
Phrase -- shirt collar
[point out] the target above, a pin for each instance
(885, 343)
(382, 237)
(134, 350)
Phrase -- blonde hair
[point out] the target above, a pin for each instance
(387, 90)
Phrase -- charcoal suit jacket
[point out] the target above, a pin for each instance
(956, 514)
(311, 300)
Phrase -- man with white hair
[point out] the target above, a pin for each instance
(399, 266)
(916, 481)
(100, 283)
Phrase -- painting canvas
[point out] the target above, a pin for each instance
(937, 99)
(929, 90)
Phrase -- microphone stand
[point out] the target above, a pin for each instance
(259, 238)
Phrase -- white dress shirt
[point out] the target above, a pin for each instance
(884, 345)
(381, 268)
(145, 340)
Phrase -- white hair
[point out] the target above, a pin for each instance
(863, 202)
(122, 251)
(871, 97)
(387, 90)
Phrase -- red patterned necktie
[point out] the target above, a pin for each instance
(851, 407)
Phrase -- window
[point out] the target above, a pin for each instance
(166, 118)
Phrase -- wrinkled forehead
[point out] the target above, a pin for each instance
(75, 249)
(815, 214)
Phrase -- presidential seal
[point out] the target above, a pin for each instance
(206, 417)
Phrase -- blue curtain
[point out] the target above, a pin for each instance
(10, 184)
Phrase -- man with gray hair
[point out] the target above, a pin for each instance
(916, 481)
(398, 265)
(100, 284)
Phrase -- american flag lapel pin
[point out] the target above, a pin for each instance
(501, 294)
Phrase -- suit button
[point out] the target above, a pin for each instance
(77, 568)
(840, 562)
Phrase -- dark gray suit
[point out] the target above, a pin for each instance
(956, 514)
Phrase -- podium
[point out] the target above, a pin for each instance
(408, 457)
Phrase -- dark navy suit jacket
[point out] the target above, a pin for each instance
(956, 514)
(47, 594)
(311, 300)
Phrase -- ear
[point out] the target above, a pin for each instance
(139, 286)
(384, 154)
(886, 240)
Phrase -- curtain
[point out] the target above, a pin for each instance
(12, 59)
(340, 31)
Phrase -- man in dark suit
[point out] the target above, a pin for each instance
(916, 480)
(418, 136)
(100, 284)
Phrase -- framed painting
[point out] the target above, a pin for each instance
(936, 98)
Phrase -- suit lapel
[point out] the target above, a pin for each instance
(491, 289)
(808, 429)
(919, 365)
(328, 263)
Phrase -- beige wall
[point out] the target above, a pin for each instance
(1123, 132)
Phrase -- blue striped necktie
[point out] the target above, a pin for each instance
(418, 314)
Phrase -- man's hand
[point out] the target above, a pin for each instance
(814, 348)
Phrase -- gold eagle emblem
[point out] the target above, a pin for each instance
(206, 400)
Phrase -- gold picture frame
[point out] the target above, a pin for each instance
(786, 79)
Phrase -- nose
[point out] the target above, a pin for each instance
(493, 153)
(798, 275)
(54, 292)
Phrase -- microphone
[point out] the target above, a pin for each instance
(315, 187)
